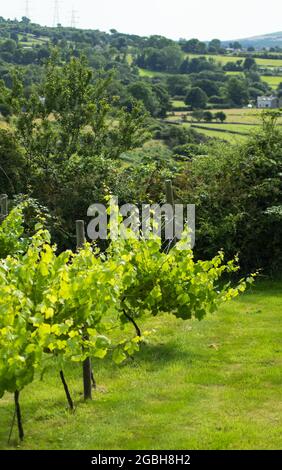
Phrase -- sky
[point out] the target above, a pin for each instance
(204, 19)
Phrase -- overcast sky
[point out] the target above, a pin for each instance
(204, 19)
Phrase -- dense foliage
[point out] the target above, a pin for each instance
(67, 307)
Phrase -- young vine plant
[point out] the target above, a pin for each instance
(61, 308)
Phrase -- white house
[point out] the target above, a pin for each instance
(268, 102)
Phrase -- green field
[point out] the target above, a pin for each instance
(150, 73)
(209, 385)
(32, 40)
(178, 104)
(273, 81)
(223, 59)
(246, 129)
(242, 120)
(232, 138)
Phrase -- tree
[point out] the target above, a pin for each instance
(214, 46)
(279, 90)
(9, 46)
(249, 64)
(208, 116)
(155, 98)
(68, 160)
(235, 45)
(194, 46)
(196, 98)
(197, 114)
(220, 116)
(210, 87)
(237, 191)
(237, 91)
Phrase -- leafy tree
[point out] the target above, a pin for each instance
(193, 46)
(196, 98)
(71, 130)
(279, 90)
(237, 91)
(8, 46)
(214, 46)
(235, 45)
(208, 116)
(210, 87)
(178, 85)
(237, 191)
(197, 114)
(249, 64)
(220, 116)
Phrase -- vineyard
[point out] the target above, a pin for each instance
(69, 307)
(196, 385)
(140, 241)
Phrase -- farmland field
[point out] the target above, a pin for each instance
(150, 73)
(223, 59)
(210, 385)
(241, 120)
(273, 81)
(243, 128)
(227, 136)
(178, 104)
(236, 115)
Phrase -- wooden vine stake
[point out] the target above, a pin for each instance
(18, 414)
(3, 207)
(87, 369)
(170, 201)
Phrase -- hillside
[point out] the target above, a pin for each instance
(261, 41)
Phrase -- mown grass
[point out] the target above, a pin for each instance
(209, 385)
(223, 59)
(243, 128)
(150, 73)
(243, 115)
(273, 81)
(178, 104)
(226, 136)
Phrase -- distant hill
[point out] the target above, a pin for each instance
(264, 40)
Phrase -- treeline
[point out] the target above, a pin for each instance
(200, 82)
(70, 144)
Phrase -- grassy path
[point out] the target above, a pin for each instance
(210, 385)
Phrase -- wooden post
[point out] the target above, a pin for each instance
(3, 206)
(169, 192)
(170, 200)
(80, 234)
(87, 369)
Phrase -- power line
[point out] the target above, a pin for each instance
(56, 15)
(74, 18)
(27, 9)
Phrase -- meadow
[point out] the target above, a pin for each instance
(238, 120)
(272, 80)
(224, 59)
(209, 385)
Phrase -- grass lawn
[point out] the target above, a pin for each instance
(151, 73)
(243, 115)
(223, 59)
(178, 104)
(273, 81)
(209, 385)
(230, 127)
(232, 138)
(233, 115)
